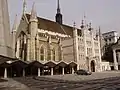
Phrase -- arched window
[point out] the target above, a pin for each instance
(49, 54)
(42, 54)
(53, 54)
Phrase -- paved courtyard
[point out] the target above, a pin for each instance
(96, 75)
(96, 81)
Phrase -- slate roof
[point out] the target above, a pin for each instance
(49, 25)
(5, 58)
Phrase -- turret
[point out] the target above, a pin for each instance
(24, 6)
(33, 27)
(14, 30)
(33, 22)
(74, 30)
(82, 24)
(90, 27)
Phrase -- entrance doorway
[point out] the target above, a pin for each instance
(92, 66)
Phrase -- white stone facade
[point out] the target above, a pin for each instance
(84, 48)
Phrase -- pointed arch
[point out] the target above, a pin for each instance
(42, 53)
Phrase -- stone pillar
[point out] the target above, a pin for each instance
(93, 47)
(28, 48)
(37, 48)
(23, 72)
(75, 45)
(115, 60)
(18, 48)
(118, 58)
(78, 66)
(38, 72)
(32, 50)
(63, 71)
(72, 70)
(51, 70)
(5, 73)
(61, 50)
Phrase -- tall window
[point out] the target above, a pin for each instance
(49, 55)
(53, 53)
(42, 54)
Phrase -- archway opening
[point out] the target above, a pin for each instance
(92, 66)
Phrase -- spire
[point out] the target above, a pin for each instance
(58, 16)
(58, 8)
(74, 25)
(100, 39)
(99, 31)
(24, 6)
(90, 26)
(33, 12)
(82, 24)
(15, 24)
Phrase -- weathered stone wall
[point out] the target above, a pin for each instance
(5, 38)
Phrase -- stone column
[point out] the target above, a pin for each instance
(23, 72)
(63, 71)
(115, 60)
(5, 73)
(72, 70)
(32, 50)
(78, 66)
(93, 47)
(18, 48)
(51, 70)
(61, 50)
(118, 58)
(38, 72)
(28, 48)
(75, 45)
(37, 48)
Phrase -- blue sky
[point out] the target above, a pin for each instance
(103, 13)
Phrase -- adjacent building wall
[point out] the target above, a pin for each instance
(5, 38)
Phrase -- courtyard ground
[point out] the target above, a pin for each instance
(95, 75)
(109, 80)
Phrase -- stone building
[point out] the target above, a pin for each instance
(39, 39)
(110, 37)
(116, 55)
(84, 48)
(54, 45)
(109, 40)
